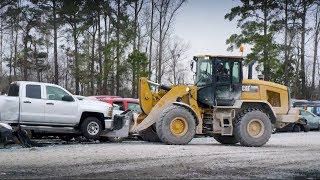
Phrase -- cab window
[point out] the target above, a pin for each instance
(236, 72)
(55, 93)
(305, 113)
(33, 91)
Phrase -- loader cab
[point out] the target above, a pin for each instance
(219, 79)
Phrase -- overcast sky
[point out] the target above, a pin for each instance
(201, 23)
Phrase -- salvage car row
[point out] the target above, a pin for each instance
(44, 108)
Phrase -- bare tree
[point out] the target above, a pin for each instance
(316, 42)
(167, 10)
(176, 67)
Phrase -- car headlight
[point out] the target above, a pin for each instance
(110, 111)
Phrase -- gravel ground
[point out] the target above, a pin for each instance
(285, 156)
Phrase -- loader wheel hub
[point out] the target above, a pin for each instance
(255, 128)
(179, 126)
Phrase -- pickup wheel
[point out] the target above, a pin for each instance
(91, 128)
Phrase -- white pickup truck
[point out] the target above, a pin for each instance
(50, 108)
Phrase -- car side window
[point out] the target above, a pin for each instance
(33, 91)
(116, 107)
(306, 113)
(55, 93)
(121, 105)
(318, 111)
(134, 106)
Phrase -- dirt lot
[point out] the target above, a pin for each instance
(286, 155)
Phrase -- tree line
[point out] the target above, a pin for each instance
(284, 39)
(95, 47)
(90, 47)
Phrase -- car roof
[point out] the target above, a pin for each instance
(120, 99)
(308, 103)
(105, 96)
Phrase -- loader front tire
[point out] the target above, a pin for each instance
(225, 139)
(252, 128)
(176, 126)
(150, 134)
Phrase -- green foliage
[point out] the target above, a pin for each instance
(138, 62)
(258, 23)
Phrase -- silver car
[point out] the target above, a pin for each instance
(312, 120)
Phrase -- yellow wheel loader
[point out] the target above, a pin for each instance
(220, 104)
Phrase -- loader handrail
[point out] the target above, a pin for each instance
(153, 83)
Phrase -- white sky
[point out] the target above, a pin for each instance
(201, 23)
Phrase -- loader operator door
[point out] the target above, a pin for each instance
(219, 80)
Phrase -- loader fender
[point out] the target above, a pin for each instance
(263, 105)
(167, 100)
(190, 109)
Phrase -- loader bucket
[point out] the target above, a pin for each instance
(9, 135)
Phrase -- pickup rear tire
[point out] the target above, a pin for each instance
(91, 128)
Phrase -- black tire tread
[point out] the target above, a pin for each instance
(163, 136)
(84, 127)
(237, 126)
(225, 139)
(149, 135)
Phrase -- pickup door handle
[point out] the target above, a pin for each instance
(27, 102)
(49, 103)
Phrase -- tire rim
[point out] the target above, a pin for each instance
(93, 128)
(255, 128)
(179, 126)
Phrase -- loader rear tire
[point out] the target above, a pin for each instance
(150, 134)
(176, 126)
(252, 128)
(225, 139)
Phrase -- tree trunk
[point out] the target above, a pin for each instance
(303, 32)
(105, 69)
(315, 50)
(92, 59)
(15, 55)
(151, 38)
(76, 61)
(55, 44)
(25, 58)
(160, 43)
(118, 49)
(99, 55)
(266, 64)
(11, 54)
(1, 42)
(286, 47)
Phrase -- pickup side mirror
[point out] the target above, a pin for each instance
(67, 98)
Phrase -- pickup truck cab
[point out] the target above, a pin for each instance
(51, 108)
